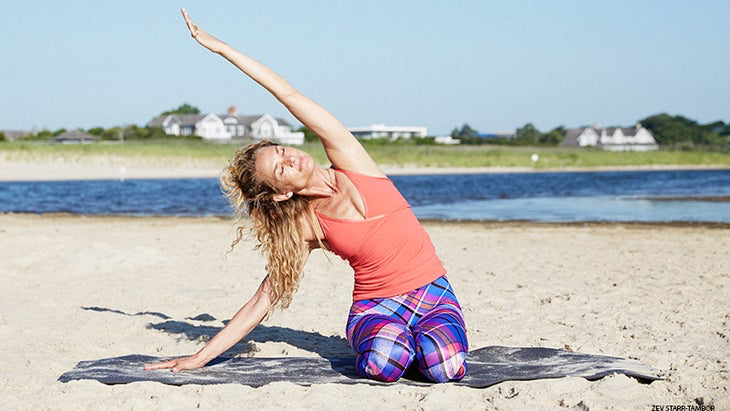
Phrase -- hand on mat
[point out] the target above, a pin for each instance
(177, 364)
(202, 37)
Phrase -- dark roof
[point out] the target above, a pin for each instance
(630, 131)
(157, 121)
(245, 120)
(571, 137)
(74, 135)
(190, 119)
(182, 119)
(627, 131)
(282, 122)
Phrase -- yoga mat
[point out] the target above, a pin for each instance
(486, 366)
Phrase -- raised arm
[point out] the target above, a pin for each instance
(341, 147)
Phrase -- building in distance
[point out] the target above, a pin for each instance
(74, 137)
(225, 127)
(507, 135)
(13, 135)
(390, 132)
(611, 138)
(446, 140)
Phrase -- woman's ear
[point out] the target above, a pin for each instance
(282, 197)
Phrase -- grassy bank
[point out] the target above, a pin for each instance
(386, 154)
(152, 149)
(549, 158)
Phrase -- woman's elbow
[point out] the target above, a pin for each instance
(288, 94)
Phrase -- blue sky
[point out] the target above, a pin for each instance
(439, 64)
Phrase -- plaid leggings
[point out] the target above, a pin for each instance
(426, 324)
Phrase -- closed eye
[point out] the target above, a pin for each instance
(283, 157)
(279, 168)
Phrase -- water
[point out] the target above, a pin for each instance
(572, 196)
(556, 197)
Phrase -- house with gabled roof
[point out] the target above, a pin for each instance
(224, 127)
(390, 132)
(611, 138)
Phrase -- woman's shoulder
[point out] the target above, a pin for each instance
(312, 232)
(350, 154)
(361, 173)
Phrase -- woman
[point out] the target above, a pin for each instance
(404, 311)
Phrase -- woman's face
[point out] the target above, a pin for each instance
(286, 169)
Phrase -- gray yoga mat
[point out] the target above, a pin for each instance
(486, 366)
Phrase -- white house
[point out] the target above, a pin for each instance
(211, 127)
(612, 138)
(391, 132)
(225, 127)
(446, 140)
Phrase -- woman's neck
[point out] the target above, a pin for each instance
(323, 184)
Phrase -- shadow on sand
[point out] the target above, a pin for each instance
(195, 329)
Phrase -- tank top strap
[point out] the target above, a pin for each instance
(379, 194)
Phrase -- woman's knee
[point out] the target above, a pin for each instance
(385, 353)
(439, 365)
(441, 347)
(439, 361)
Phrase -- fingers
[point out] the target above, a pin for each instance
(161, 364)
(176, 364)
(189, 22)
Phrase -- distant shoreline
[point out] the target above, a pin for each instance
(118, 168)
(425, 221)
(417, 170)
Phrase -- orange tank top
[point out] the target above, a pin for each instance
(389, 251)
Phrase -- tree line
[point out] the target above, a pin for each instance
(122, 133)
(669, 131)
(682, 132)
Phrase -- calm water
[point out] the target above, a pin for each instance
(569, 196)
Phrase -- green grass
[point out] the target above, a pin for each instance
(550, 158)
(153, 148)
(385, 154)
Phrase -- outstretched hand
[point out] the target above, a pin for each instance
(177, 364)
(201, 36)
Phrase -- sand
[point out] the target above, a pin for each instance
(104, 167)
(78, 288)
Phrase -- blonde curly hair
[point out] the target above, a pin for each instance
(277, 225)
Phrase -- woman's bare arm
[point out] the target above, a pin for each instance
(342, 148)
(245, 320)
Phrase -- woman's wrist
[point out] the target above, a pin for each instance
(201, 357)
(222, 49)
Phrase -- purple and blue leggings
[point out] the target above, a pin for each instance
(425, 325)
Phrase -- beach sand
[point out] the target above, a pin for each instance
(103, 167)
(78, 288)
